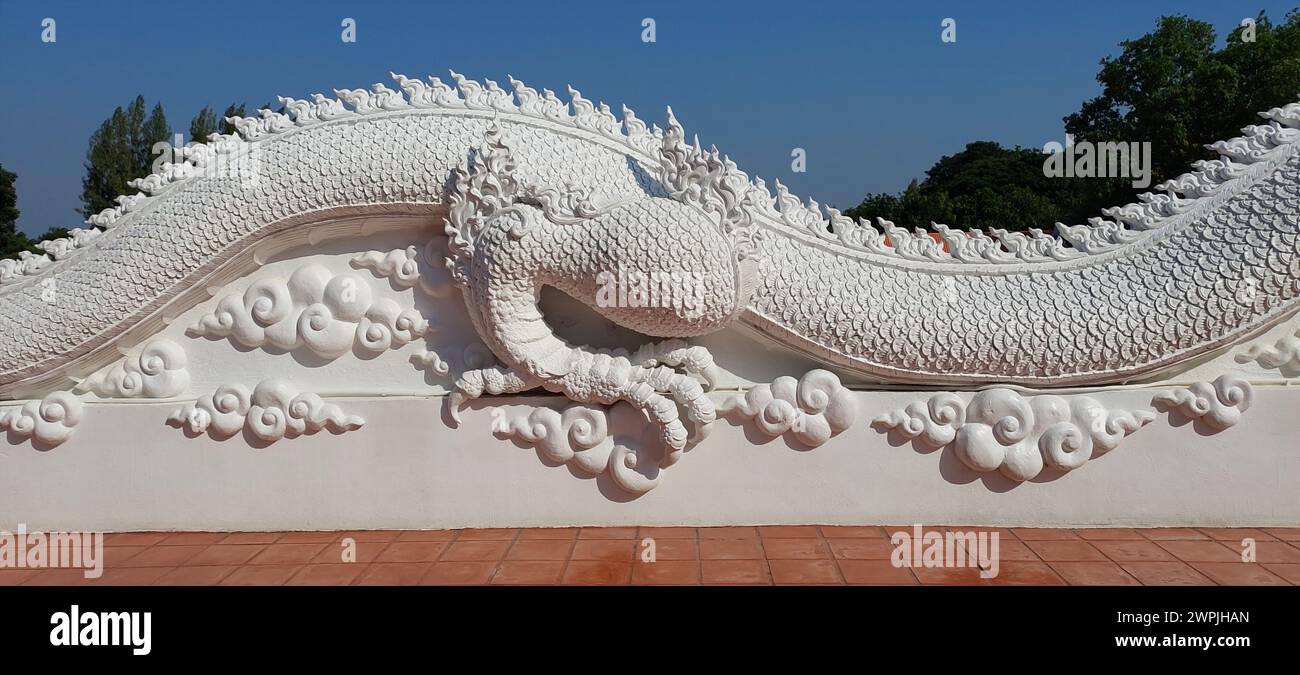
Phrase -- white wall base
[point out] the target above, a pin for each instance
(125, 469)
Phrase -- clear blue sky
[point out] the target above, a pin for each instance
(867, 88)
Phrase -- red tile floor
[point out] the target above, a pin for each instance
(683, 555)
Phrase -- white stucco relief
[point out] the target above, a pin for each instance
(810, 409)
(272, 410)
(1015, 435)
(1218, 405)
(49, 421)
(156, 370)
(314, 308)
(594, 440)
(1282, 354)
(526, 191)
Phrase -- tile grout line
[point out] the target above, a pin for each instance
(699, 555)
(446, 545)
(519, 533)
(568, 558)
(1143, 536)
(835, 564)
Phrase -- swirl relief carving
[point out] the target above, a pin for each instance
(1216, 405)
(49, 421)
(273, 410)
(1017, 436)
(158, 370)
(594, 440)
(810, 409)
(314, 308)
(1283, 355)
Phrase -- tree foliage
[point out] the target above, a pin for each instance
(11, 240)
(984, 183)
(121, 150)
(1170, 87)
(207, 123)
(203, 125)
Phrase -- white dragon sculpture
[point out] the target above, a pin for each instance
(557, 197)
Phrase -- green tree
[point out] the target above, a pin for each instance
(203, 125)
(121, 150)
(231, 111)
(108, 161)
(206, 123)
(156, 130)
(984, 185)
(1172, 88)
(11, 240)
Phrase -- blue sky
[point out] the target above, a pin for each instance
(866, 88)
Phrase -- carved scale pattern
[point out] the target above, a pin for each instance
(1151, 304)
(369, 162)
(1161, 283)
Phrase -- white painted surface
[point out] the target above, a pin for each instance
(364, 443)
(126, 469)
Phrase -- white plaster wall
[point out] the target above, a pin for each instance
(125, 469)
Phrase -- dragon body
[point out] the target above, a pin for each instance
(560, 198)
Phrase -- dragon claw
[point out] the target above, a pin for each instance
(455, 403)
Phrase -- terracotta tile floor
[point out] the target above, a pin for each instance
(683, 555)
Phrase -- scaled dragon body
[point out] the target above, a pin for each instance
(557, 199)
